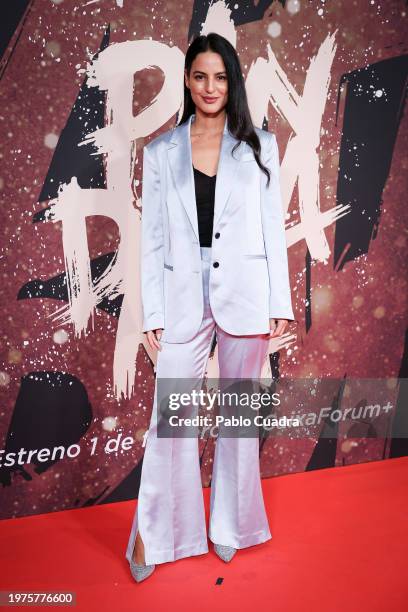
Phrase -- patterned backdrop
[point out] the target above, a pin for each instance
(84, 86)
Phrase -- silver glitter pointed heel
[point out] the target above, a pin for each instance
(224, 552)
(140, 572)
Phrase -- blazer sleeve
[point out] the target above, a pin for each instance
(280, 301)
(152, 245)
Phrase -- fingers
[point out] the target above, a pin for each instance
(153, 338)
(158, 336)
(279, 329)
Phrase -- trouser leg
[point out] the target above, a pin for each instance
(237, 511)
(170, 511)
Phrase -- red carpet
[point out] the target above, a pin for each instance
(339, 543)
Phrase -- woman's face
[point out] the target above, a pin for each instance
(208, 82)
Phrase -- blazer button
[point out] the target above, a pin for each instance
(217, 235)
(216, 264)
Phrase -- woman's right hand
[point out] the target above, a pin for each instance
(153, 337)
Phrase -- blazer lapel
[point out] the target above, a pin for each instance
(181, 164)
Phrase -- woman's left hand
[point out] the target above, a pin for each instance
(278, 327)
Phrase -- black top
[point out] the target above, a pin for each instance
(205, 194)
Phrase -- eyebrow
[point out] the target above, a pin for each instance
(202, 72)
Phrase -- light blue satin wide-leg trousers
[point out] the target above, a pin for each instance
(170, 508)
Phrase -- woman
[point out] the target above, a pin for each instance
(214, 261)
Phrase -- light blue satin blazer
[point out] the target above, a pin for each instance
(251, 283)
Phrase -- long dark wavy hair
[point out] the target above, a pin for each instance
(239, 119)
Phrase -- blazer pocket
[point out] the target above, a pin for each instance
(247, 157)
(168, 267)
(260, 256)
